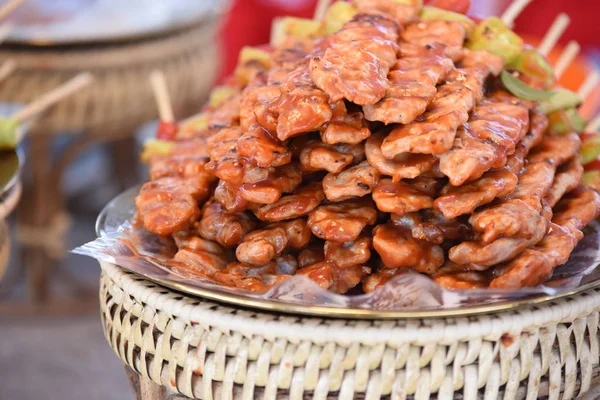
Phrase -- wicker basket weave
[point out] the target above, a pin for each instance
(210, 351)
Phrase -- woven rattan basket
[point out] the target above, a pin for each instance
(211, 351)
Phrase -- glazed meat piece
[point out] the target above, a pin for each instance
(226, 228)
(412, 87)
(508, 218)
(345, 127)
(556, 149)
(577, 209)
(229, 197)
(356, 181)
(568, 177)
(183, 166)
(337, 280)
(170, 204)
(538, 125)
(458, 277)
(403, 13)
(281, 180)
(356, 64)
(461, 200)
(295, 205)
(319, 156)
(400, 197)
(403, 166)
(311, 254)
(261, 246)
(225, 162)
(197, 256)
(257, 279)
(227, 113)
(433, 227)
(380, 278)
(490, 135)
(397, 248)
(341, 222)
(349, 254)
(537, 263)
(259, 147)
(481, 255)
(301, 110)
(534, 183)
(451, 34)
(253, 95)
(450, 108)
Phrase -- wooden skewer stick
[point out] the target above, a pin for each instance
(566, 58)
(9, 7)
(551, 37)
(513, 11)
(7, 68)
(594, 125)
(321, 9)
(161, 95)
(590, 83)
(53, 96)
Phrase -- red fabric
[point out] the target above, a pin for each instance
(249, 23)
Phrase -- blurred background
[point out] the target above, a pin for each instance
(84, 151)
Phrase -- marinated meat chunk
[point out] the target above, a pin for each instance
(413, 81)
(577, 209)
(458, 277)
(295, 205)
(537, 263)
(330, 277)
(260, 148)
(461, 200)
(491, 134)
(567, 178)
(226, 228)
(400, 197)
(508, 218)
(341, 222)
(356, 181)
(319, 156)
(397, 248)
(197, 256)
(403, 166)
(348, 254)
(282, 180)
(452, 34)
(301, 110)
(345, 127)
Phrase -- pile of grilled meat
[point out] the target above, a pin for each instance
(384, 147)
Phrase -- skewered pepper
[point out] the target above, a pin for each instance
(592, 179)
(156, 147)
(590, 148)
(532, 63)
(565, 121)
(337, 15)
(219, 94)
(494, 36)
(296, 27)
(429, 13)
(522, 90)
(193, 125)
(9, 133)
(560, 100)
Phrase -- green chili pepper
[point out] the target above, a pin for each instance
(9, 133)
(561, 99)
(522, 90)
(494, 36)
(590, 149)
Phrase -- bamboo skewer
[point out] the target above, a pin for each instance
(566, 58)
(7, 68)
(53, 96)
(556, 30)
(161, 95)
(589, 84)
(593, 125)
(320, 10)
(9, 7)
(513, 11)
